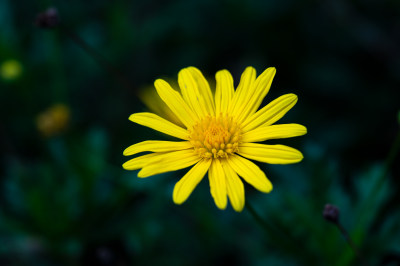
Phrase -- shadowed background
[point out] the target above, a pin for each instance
(64, 197)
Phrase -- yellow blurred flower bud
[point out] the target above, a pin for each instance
(10, 69)
(54, 120)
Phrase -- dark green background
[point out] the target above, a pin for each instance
(66, 200)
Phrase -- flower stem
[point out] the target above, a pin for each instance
(264, 224)
(388, 164)
(99, 58)
(348, 239)
(371, 198)
(381, 180)
(278, 237)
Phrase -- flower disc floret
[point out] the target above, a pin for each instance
(215, 137)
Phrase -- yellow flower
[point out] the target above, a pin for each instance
(219, 133)
(150, 98)
(54, 120)
(10, 69)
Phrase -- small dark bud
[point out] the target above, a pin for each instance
(48, 19)
(331, 213)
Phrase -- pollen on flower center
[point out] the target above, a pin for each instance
(216, 137)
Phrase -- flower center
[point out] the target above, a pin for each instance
(215, 137)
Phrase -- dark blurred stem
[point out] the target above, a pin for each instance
(268, 228)
(351, 243)
(388, 164)
(99, 58)
(278, 237)
(347, 237)
(376, 189)
(381, 180)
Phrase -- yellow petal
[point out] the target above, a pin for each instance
(216, 176)
(140, 161)
(204, 89)
(274, 132)
(234, 187)
(157, 146)
(188, 182)
(160, 124)
(262, 86)
(176, 103)
(260, 89)
(250, 172)
(224, 91)
(270, 113)
(170, 161)
(242, 92)
(273, 154)
(153, 102)
(191, 93)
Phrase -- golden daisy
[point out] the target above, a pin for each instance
(220, 131)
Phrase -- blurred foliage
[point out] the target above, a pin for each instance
(64, 198)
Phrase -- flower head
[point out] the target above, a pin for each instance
(10, 70)
(331, 213)
(54, 120)
(220, 130)
(48, 19)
